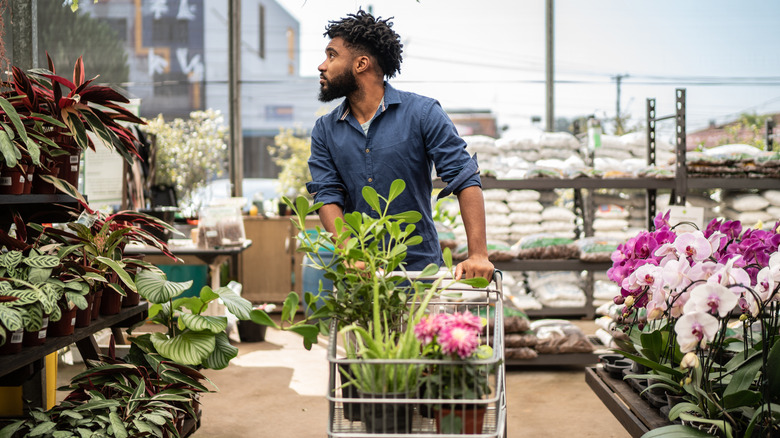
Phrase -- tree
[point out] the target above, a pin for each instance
(66, 35)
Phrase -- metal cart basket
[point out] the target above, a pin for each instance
(347, 407)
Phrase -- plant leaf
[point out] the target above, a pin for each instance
(290, 307)
(222, 354)
(396, 188)
(189, 348)
(10, 111)
(238, 306)
(260, 317)
(201, 323)
(117, 425)
(372, 198)
(7, 149)
(772, 368)
(155, 288)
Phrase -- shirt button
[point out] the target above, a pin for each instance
(367, 150)
(370, 179)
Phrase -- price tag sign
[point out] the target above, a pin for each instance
(679, 214)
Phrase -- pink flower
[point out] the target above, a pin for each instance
(466, 319)
(427, 329)
(693, 245)
(458, 339)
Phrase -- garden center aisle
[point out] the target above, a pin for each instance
(276, 389)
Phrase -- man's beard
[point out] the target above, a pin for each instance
(340, 86)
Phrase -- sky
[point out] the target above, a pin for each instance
(490, 55)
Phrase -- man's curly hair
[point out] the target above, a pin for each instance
(361, 31)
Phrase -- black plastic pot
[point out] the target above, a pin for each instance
(381, 416)
(249, 331)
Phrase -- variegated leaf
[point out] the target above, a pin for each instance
(189, 348)
(200, 323)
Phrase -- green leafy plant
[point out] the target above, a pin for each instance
(367, 254)
(374, 299)
(140, 395)
(192, 338)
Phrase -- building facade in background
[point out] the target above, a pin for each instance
(178, 62)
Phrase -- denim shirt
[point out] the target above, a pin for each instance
(407, 137)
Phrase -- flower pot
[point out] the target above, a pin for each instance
(616, 368)
(96, 303)
(84, 316)
(69, 166)
(610, 358)
(471, 419)
(13, 341)
(249, 331)
(351, 410)
(111, 302)
(28, 180)
(42, 187)
(380, 416)
(32, 339)
(12, 180)
(65, 325)
(132, 298)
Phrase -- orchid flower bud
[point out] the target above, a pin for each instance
(690, 360)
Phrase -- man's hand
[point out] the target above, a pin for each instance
(474, 267)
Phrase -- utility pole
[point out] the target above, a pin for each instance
(550, 77)
(234, 97)
(618, 119)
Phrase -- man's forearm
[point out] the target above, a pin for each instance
(472, 210)
(328, 214)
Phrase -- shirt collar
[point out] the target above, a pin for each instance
(392, 96)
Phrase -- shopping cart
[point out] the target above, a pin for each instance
(347, 409)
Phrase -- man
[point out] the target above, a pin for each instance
(379, 134)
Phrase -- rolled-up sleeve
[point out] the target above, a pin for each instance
(326, 186)
(448, 151)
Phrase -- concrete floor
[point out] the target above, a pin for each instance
(276, 389)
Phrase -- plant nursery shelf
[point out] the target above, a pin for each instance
(634, 413)
(38, 207)
(82, 337)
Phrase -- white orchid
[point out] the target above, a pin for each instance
(711, 298)
(695, 329)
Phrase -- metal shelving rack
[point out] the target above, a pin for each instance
(679, 186)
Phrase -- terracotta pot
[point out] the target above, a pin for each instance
(12, 180)
(84, 316)
(13, 341)
(40, 186)
(111, 303)
(28, 180)
(69, 166)
(472, 418)
(31, 339)
(65, 325)
(97, 298)
(131, 299)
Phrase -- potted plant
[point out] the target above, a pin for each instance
(100, 240)
(691, 284)
(374, 303)
(460, 377)
(192, 338)
(139, 395)
(46, 128)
